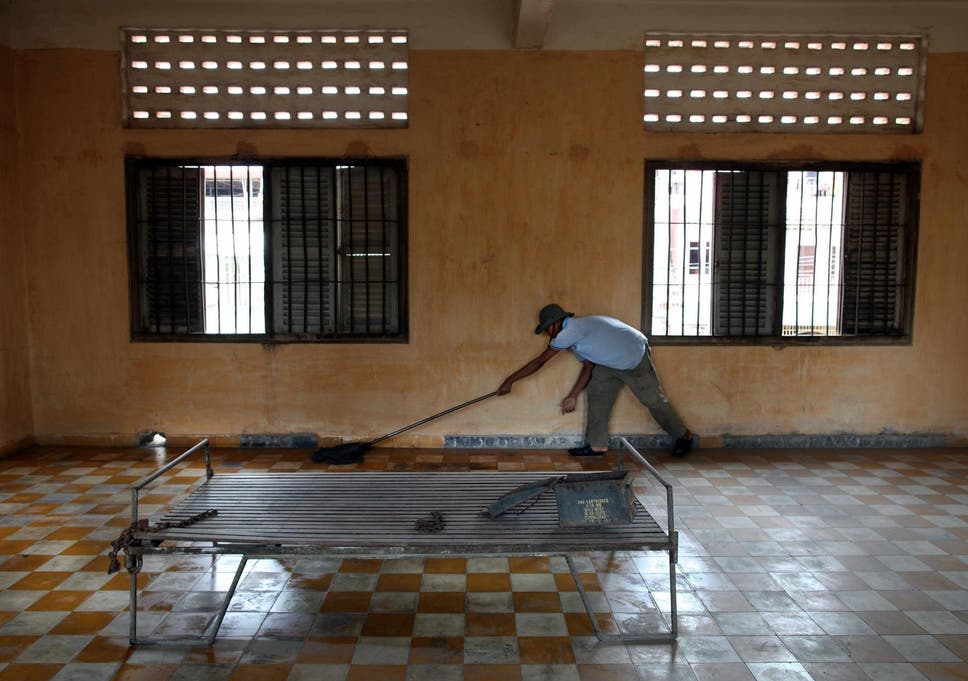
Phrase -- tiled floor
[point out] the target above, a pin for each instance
(796, 564)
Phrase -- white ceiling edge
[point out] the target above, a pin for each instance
(483, 24)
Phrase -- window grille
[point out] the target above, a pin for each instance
(274, 251)
(784, 83)
(798, 251)
(179, 78)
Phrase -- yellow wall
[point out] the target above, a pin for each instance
(16, 427)
(526, 177)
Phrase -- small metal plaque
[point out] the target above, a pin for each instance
(595, 502)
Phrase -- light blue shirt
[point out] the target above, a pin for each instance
(602, 340)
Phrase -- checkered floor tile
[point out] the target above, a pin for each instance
(794, 564)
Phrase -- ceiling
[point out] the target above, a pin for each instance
(485, 24)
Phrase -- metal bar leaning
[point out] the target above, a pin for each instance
(132, 562)
(673, 540)
(151, 477)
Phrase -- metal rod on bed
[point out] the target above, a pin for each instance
(642, 460)
(148, 479)
(673, 535)
(129, 559)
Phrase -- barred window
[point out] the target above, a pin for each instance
(274, 251)
(799, 252)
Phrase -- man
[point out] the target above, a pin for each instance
(612, 353)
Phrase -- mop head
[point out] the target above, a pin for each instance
(341, 455)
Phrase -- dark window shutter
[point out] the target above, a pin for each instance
(369, 250)
(304, 267)
(169, 233)
(745, 271)
(876, 219)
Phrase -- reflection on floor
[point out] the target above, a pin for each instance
(794, 564)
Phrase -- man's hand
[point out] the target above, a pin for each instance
(568, 405)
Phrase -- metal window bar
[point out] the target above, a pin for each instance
(268, 264)
(813, 265)
(796, 289)
(155, 246)
(335, 238)
(305, 249)
(190, 232)
(876, 287)
(230, 278)
(860, 241)
(347, 217)
(834, 253)
(885, 287)
(366, 244)
(857, 274)
(761, 247)
(880, 289)
(351, 250)
(669, 259)
(384, 275)
(681, 232)
(289, 267)
(321, 284)
(234, 282)
(218, 253)
(889, 287)
(249, 200)
(699, 286)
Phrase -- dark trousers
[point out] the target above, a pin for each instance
(602, 392)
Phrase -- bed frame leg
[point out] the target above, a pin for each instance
(673, 560)
(228, 599)
(584, 598)
(133, 619)
(627, 638)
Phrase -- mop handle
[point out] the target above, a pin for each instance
(431, 418)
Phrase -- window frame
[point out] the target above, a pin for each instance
(912, 168)
(133, 166)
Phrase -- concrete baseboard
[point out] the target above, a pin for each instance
(279, 440)
(645, 442)
(839, 441)
(776, 441)
(16, 445)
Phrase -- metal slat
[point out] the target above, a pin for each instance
(373, 511)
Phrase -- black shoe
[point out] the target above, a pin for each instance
(682, 446)
(584, 450)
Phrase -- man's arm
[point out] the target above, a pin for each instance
(568, 404)
(527, 370)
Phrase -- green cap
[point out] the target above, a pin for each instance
(549, 315)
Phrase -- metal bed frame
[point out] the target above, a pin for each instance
(373, 515)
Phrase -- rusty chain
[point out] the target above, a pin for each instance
(126, 538)
(434, 524)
